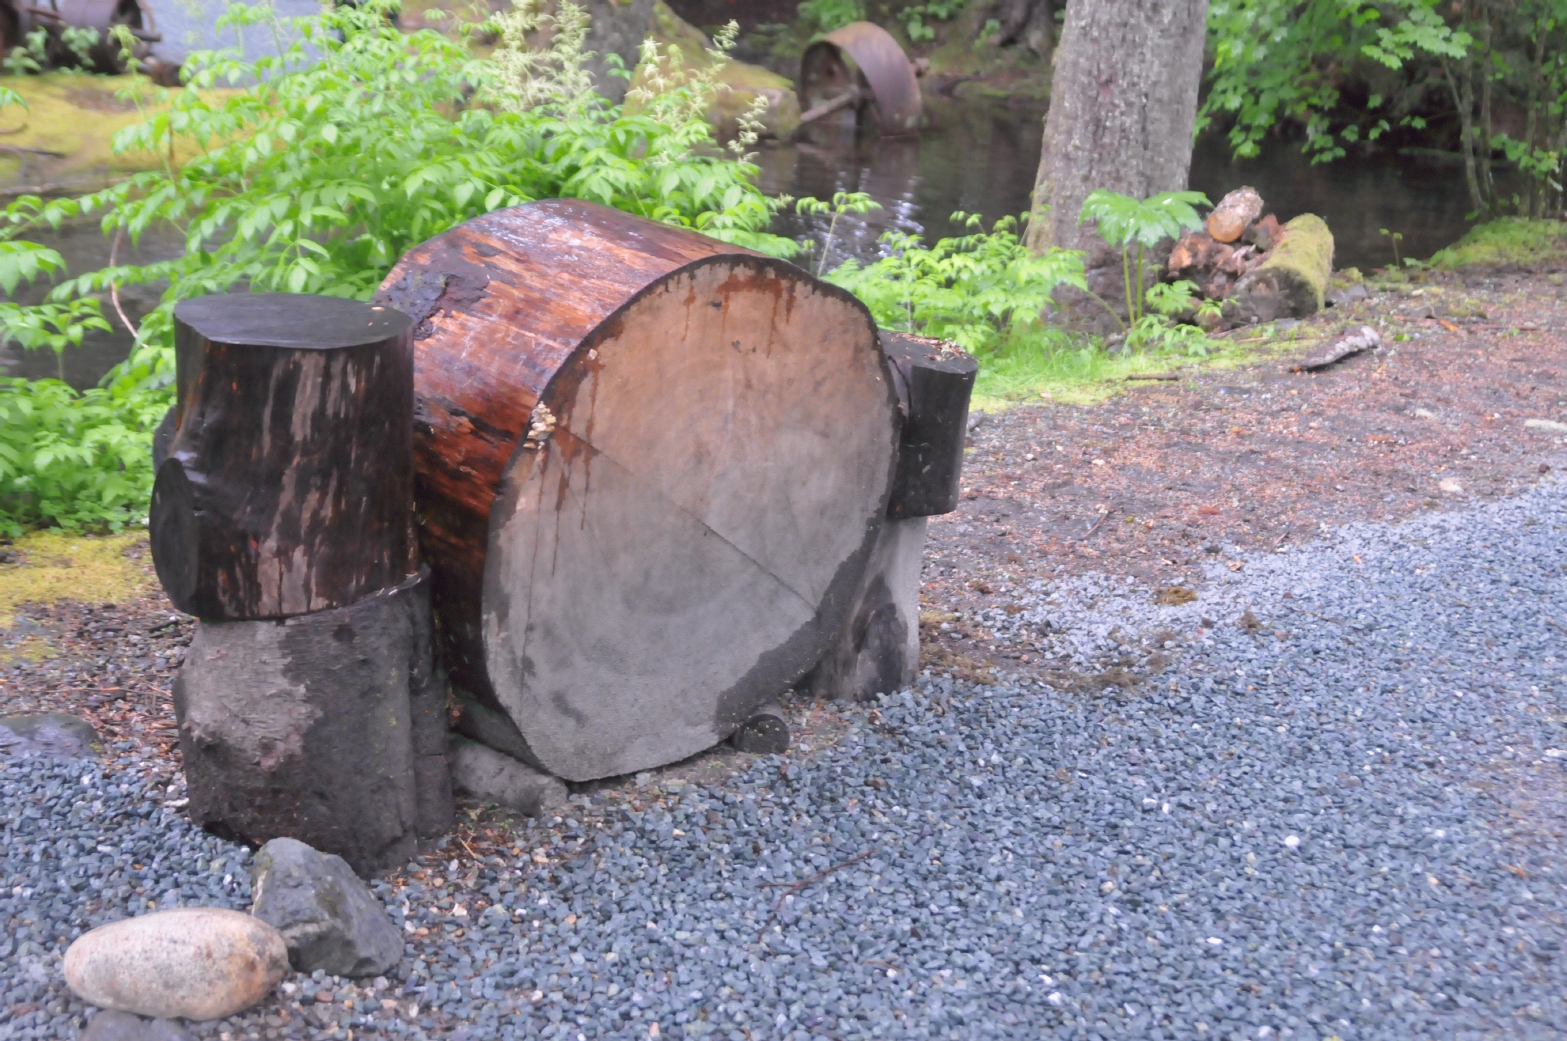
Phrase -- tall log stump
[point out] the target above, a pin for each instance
(877, 650)
(650, 471)
(288, 480)
(310, 704)
(306, 727)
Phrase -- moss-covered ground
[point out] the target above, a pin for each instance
(1510, 240)
(47, 567)
(65, 134)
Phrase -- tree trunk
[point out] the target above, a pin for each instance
(319, 728)
(288, 483)
(1123, 103)
(650, 471)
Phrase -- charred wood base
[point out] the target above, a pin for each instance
(765, 733)
(878, 649)
(327, 728)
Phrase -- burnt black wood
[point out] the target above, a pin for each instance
(938, 380)
(289, 480)
(319, 728)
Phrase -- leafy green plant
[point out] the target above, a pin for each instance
(842, 202)
(29, 57)
(826, 15)
(1395, 237)
(1173, 305)
(914, 17)
(314, 174)
(1124, 222)
(78, 460)
(984, 291)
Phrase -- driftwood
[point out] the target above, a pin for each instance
(650, 471)
(288, 479)
(1363, 339)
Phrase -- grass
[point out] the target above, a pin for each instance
(1089, 375)
(56, 566)
(1510, 240)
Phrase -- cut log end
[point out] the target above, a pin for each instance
(647, 506)
(765, 733)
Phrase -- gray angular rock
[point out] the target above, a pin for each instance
(56, 734)
(498, 778)
(113, 1025)
(328, 918)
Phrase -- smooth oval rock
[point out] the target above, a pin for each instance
(188, 963)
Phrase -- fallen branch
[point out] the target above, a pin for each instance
(1363, 339)
(1153, 376)
(1095, 526)
(791, 888)
(20, 150)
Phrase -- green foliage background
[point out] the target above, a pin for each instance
(315, 178)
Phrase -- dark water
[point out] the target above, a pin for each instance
(973, 159)
(983, 160)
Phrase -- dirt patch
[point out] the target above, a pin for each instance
(97, 100)
(1169, 475)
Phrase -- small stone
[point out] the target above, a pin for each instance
(326, 915)
(188, 963)
(1545, 424)
(1292, 841)
(498, 778)
(56, 734)
(1448, 486)
(113, 1025)
(1423, 413)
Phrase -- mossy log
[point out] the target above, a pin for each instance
(1292, 282)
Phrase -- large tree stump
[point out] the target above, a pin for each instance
(650, 469)
(308, 728)
(288, 480)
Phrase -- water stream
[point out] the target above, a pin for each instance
(983, 160)
(975, 159)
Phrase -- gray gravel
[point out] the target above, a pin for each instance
(1342, 821)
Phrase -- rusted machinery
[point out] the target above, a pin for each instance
(861, 76)
(19, 18)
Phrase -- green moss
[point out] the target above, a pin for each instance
(76, 116)
(744, 82)
(1511, 240)
(55, 566)
(1307, 251)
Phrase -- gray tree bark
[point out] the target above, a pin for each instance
(1123, 102)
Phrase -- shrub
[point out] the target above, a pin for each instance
(353, 143)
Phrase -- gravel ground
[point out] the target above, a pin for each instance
(1334, 811)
